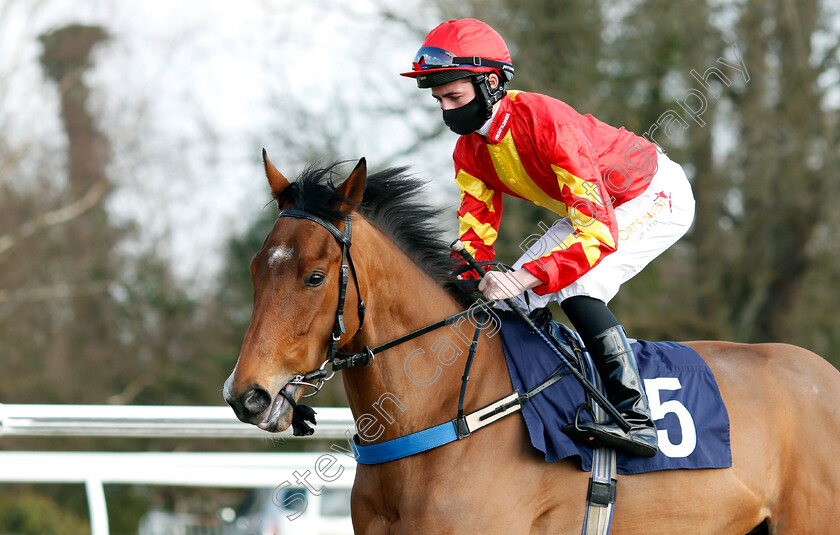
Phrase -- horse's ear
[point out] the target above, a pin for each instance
(276, 180)
(353, 189)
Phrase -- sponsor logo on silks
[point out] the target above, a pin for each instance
(498, 135)
(637, 229)
(661, 195)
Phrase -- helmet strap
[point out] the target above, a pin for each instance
(488, 96)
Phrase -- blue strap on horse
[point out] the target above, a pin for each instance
(601, 492)
(459, 427)
(464, 425)
(428, 438)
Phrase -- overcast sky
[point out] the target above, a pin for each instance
(189, 91)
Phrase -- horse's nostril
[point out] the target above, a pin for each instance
(255, 400)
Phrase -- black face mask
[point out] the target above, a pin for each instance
(466, 119)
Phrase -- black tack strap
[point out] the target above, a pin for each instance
(361, 307)
(473, 346)
(339, 329)
(344, 239)
(345, 360)
(332, 229)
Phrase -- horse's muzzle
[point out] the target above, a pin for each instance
(258, 407)
(249, 405)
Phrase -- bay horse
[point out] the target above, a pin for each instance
(783, 401)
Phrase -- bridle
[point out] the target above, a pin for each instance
(340, 360)
(319, 376)
(461, 425)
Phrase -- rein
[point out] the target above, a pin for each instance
(341, 360)
(461, 426)
(602, 485)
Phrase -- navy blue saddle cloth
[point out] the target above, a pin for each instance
(692, 422)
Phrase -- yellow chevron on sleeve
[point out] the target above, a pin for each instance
(590, 226)
(485, 231)
(475, 187)
(590, 234)
(579, 187)
(591, 247)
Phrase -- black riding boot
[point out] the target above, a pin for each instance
(616, 365)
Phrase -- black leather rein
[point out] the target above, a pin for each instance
(340, 360)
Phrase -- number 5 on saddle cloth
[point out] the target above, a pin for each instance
(686, 406)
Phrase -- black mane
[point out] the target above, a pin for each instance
(392, 202)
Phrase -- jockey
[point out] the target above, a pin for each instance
(620, 202)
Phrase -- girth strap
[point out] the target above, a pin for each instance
(603, 484)
(600, 498)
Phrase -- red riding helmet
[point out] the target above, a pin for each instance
(458, 49)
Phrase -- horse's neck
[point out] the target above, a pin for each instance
(415, 384)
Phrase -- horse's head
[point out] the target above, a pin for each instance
(296, 277)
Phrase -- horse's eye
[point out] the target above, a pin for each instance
(315, 279)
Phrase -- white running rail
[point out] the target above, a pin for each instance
(152, 421)
(94, 469)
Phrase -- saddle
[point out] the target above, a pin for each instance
(691, 418)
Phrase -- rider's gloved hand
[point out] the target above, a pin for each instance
(505, 285)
